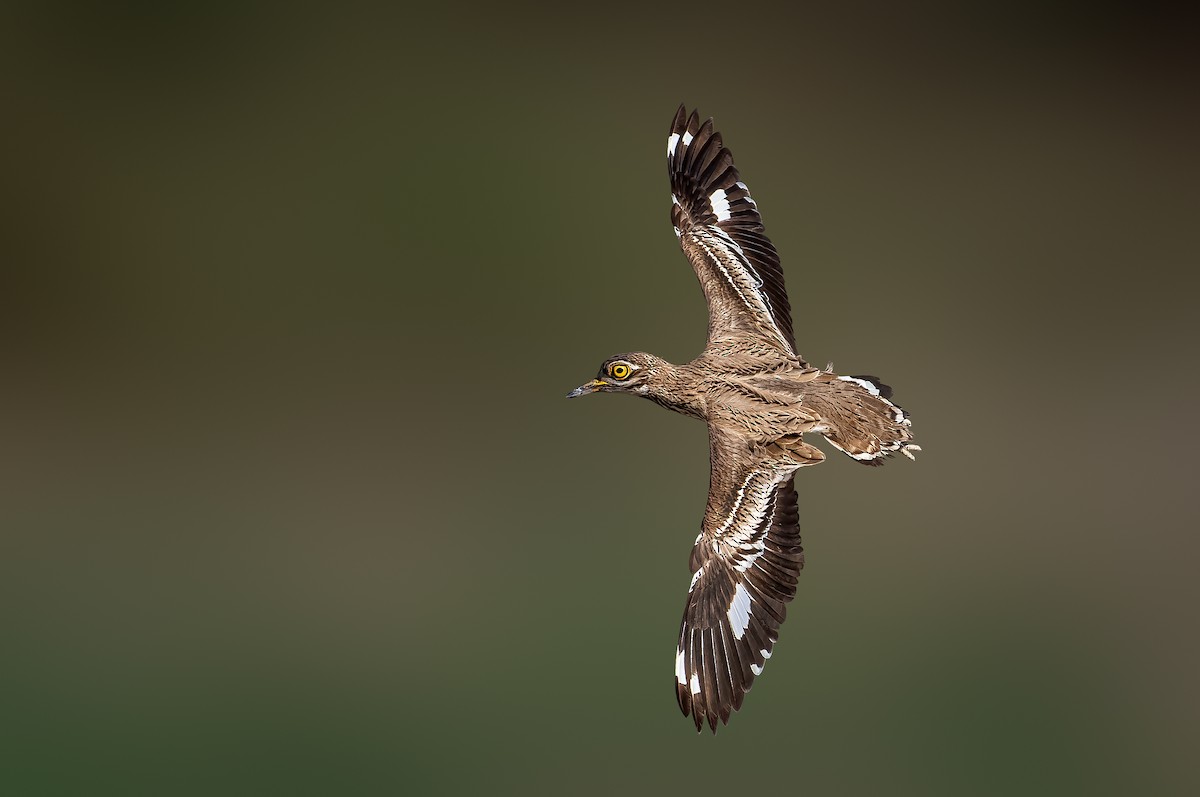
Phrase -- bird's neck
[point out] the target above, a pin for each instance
(674, 387)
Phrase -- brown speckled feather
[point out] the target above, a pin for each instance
(721, 232)
(744, 565)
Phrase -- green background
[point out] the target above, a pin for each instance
(290, 498)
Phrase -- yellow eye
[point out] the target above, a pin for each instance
(619, 370)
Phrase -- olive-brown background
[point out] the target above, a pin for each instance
(291, 502)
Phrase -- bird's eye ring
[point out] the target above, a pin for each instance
(619, 370)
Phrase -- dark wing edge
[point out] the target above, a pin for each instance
(710, 200)
(736, 604)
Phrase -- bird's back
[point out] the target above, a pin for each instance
(854, 413)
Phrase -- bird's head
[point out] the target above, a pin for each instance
(622, 373)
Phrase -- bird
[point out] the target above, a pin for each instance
(759, 397)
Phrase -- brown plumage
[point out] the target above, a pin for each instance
(759, 398)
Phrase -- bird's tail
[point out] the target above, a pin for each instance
(867, 425)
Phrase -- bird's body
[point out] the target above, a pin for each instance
(758, 397)
(765, 402)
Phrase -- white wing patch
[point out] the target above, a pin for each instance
(739, 612)
(747, 197)
(680, 671)
(720, 205)
(672, 142)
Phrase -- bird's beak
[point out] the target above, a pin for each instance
(590, 387)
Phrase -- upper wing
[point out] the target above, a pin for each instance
(744, 569)
(721, 232)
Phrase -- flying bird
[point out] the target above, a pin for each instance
(759, 398)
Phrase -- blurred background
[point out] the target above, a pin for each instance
(290, 498)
